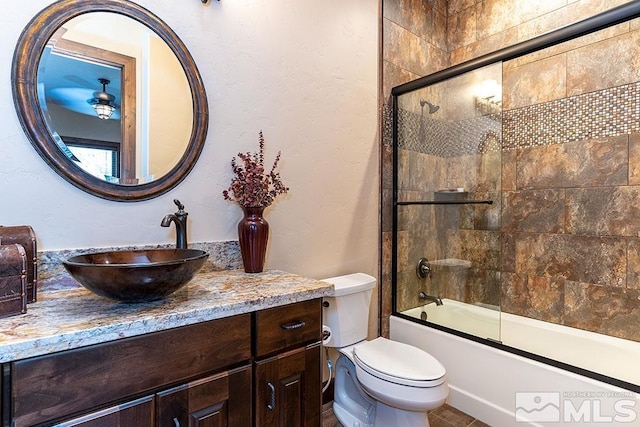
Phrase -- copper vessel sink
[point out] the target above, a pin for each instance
(136, 275)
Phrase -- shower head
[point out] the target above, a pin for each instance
(432, 107)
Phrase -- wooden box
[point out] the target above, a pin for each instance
(13, 285)
(24, 235)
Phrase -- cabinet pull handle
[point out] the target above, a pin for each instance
(293, 325)
(176, 422)
(271, 405)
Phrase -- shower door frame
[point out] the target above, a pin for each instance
(601, 21)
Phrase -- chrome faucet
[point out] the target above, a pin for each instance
(425, 297)
(180, 220)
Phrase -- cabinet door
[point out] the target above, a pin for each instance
(216, 401)
(288, 389)
(116, 370)
(137, 413)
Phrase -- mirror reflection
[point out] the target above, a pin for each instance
(115, 98)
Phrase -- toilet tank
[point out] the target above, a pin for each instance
(346, 313)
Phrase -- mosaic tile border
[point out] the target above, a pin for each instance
(602, 114)
(449, 138)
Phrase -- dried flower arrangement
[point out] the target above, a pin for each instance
(252, 187)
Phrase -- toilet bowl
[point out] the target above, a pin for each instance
(378, 382)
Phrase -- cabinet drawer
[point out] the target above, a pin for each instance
(54, 386)
(138, 413)
(291, 325)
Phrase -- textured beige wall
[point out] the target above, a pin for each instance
(303, 72)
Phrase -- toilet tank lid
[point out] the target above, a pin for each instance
(351, 283)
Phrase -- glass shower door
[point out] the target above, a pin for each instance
(448, 184)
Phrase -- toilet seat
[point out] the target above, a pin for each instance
(399, 363)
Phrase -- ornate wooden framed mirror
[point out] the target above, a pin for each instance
(110, 98)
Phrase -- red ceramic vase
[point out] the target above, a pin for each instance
(253, 233)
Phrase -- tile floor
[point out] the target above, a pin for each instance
(445, 416)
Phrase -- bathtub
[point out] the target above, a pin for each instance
(503, 387)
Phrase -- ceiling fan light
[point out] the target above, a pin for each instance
(102, 102)
(103, 110)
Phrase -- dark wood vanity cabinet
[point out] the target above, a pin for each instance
(216, 373)
(220, 400)
(287, 365)
(139, 412)
(67, 385)
(288, 388)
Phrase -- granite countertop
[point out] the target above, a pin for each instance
(72, 318)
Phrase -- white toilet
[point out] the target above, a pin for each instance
(378, 382)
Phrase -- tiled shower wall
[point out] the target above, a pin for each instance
(420, 37)
(570, 165)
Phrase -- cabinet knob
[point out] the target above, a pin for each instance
(271, 404)
(293, 325)
(176, 422)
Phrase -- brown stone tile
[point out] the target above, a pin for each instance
(408, 289)
(605, 64)
(533, 83)
(386, 251)
(328, 417)
(394, 75)
(457, 6)
(598, 260)
(551, 20)
(462, 29)
(453, 416)
(508, 252)
(513, 293)
(386, 295)
(439, 5)
(495, 16)
(408, 51)
(461, 172)
(634, 159)
(574, 164)
(414, 15)
(508, 178)
(403, 249)
(387, 167)
(633, 263)
(482, 248)
(483, 46)
(587, 8)
(544, 23)
(488, 171)
(485, 217)
(604, 211)
(603, 309)
(439, 31)
(528, 10)
(478, 423)
(539, 298)
(545, 298)
(386, 211)
(481, 286)
(540, 211)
